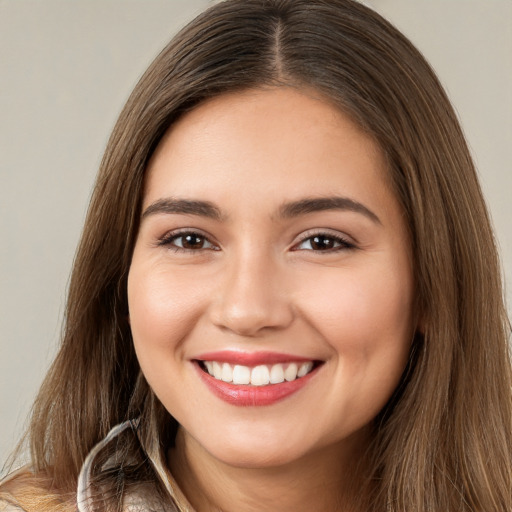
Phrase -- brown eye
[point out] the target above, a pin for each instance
(187, 242)
(323, 243)
(191, 241)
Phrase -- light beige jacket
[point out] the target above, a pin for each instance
(143, 500)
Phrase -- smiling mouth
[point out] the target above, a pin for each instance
(260, 375)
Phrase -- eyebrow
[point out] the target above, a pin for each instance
(171, 205)
(292, 209)
(318, 204)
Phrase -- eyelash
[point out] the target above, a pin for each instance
(343, 243)
(340, 243)
(168, 239)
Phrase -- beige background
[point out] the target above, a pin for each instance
(66, 68)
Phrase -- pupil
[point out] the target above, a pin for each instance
(192, 241)
(322, 242)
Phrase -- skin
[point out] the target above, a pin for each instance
(256, 281)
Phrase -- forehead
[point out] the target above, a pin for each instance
(280, 143)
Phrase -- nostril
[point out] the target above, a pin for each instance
(249, 320)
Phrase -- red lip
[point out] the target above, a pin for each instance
(250, 358)
(246, 395)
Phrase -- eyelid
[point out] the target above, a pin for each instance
(346, 241)
(167, 238)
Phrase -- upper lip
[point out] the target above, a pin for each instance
(251, 358)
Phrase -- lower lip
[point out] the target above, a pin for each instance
(246, 395)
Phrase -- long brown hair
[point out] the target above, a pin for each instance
(443, 442)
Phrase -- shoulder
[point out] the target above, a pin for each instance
(6, 506)
(8, 488)
(145, 497)
(22, 491)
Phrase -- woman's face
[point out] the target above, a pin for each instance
(271, 288)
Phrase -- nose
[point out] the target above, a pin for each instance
(252, 297)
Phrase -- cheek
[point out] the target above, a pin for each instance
(359, 304)
(367, 323)
(163, 309)
(366, 318)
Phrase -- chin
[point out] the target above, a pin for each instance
(257, 449)
(255, 458)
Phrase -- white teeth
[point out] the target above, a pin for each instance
(227, 373)
(241, 375)
(291, 372)
(276, 374)
(304, 369)
(217, 370)
(261, 375)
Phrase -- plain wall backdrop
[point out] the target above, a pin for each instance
(66, 69)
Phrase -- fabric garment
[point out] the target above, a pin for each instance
(146, 498)
(9, 507)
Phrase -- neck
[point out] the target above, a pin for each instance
(328, 479)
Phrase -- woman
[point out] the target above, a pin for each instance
(287, 294)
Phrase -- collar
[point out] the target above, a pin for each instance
(177, 501)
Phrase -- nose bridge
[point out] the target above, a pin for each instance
(252, 296)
